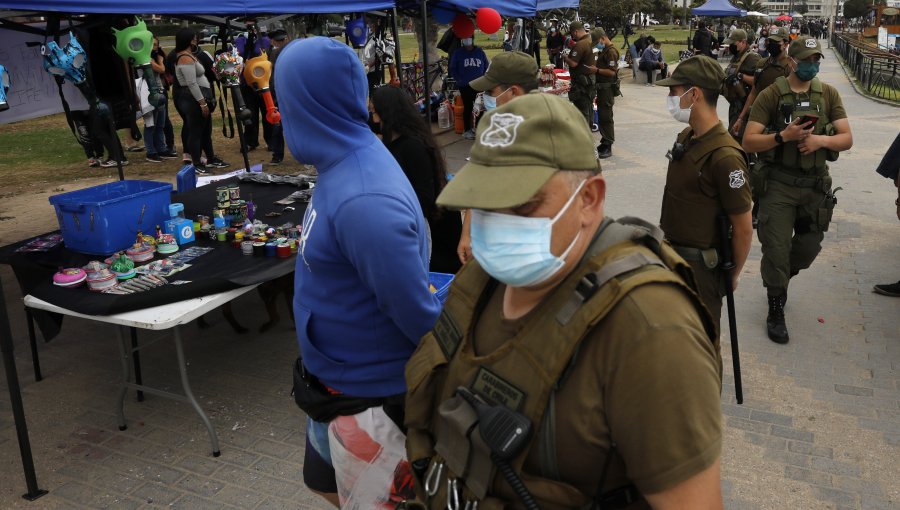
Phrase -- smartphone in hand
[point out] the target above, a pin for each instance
(807, 118)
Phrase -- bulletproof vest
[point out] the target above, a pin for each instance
(787, 155)
(443, 443)
(689, 210)
(738, 90)
(769, 70)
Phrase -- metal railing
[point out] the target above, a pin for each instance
(876, 70)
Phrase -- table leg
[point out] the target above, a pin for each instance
(186, 385)
(126, 377)
(136, 357)
(32, 339)
(15, 398)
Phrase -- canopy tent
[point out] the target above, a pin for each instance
(509, 8)
(718, 9)
(218, 7)
(546, 5)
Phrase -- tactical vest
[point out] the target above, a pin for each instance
(737, 90)
(688, 210)
(524, 373)
(787, 155)
(769, 71)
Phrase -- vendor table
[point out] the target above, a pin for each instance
(214, 279)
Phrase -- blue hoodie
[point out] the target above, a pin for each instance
(361, 299)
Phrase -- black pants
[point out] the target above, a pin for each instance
(251, 130)
(468, 96)
(196, 134)
(277, 142)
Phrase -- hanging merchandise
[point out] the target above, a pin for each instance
(463, 26)
(357, 32)
(135, 44)
(228, 67)
(70, 63)
(258, 72)
(4, 88)
(488, 20)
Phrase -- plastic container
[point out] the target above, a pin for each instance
(441, 282)
(444, 116)
(186, 178)
(105, 219)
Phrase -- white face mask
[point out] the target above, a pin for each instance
(467, 41)
(515, 249)
(673, 103)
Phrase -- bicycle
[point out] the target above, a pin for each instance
(414, 77)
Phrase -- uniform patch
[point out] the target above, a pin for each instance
(502, 131)
(573, 54)
(811, 43)
(612, 63)
(496, 390)
(736, 178)
(447, 334)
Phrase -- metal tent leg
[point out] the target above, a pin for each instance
(126, 377)
(32, 341)
(186, 385)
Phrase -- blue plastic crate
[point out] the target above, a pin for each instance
(105, 219)
(441, 282)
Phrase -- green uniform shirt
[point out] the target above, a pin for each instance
(647, 377)
(608, 59)
(768, 103)
(582, 53)
(767, 71)
(750, 63)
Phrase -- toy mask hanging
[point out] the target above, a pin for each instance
(228, 66)
(135, 44)
(258, 72)
(357, 32)
(68, 62)
(4, 88)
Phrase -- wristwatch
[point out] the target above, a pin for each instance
(778, 139)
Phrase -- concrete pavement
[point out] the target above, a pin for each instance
(819, 428)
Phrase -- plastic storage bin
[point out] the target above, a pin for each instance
(441, 282)
(105, 219)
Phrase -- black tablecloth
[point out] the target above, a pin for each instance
(222, 269)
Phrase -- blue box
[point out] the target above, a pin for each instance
(186, 178)
(181, 229)
(104, 219)
(441, 282)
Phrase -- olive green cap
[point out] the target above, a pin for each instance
(576, 25)
(779, 34)
(804, 47)
(699, 71)
(518, 147)
(736, 35)
(509, 68)
(597, 34)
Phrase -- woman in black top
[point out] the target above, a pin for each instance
(409, 139)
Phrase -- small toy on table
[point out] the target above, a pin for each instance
(123, 267)
(69, 277)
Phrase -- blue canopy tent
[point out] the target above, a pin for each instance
(718, 9)
(546, 5)
(218, 8)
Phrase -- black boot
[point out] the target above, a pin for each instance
(604, 151)
(775, 325)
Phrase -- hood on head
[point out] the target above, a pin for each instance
(322, 92)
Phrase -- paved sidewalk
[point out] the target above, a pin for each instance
(819, 428)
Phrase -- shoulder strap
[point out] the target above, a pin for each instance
(66, 109)
(741, 60)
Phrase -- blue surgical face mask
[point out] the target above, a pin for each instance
(516, 249)
(806, 71)
(600, 46)
(490, 102)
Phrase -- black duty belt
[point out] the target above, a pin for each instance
(798, 181)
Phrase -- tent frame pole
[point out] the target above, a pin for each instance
(426, 89)
(395, 31)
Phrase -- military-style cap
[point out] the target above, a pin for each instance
(518, 147)
(736, 35)
(576, 25)
(279, 34)
(510, 68)
(597, 33)
(699, 71)
(803, 47)
(778, 34)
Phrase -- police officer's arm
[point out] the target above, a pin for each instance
(741, 238)
(763, 115)
(841, 140)
(572, 63)
(702, 490)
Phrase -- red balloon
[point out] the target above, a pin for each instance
(489, 20)
(463, 26)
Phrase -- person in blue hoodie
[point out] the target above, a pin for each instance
(467, 63)
(362, 300)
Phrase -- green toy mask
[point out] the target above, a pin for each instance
(135, 44)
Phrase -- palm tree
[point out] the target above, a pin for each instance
(750, 5)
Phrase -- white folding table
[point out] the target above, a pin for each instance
(168, 316)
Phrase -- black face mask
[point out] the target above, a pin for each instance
(733, 49)
(774, 48)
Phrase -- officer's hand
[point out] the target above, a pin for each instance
(795, 131)
(736, 128)
(810, 144)
(592, 69)
(464, 248)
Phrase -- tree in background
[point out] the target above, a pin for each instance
(856, 8)
(610, 13)
(750, 5)
(802, 7)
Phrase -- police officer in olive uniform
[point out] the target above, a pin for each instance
(796, 125)
(537, 328)
(707, 177)
(739, 75)
(778, 64)
(580, 61)
(607, 71)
